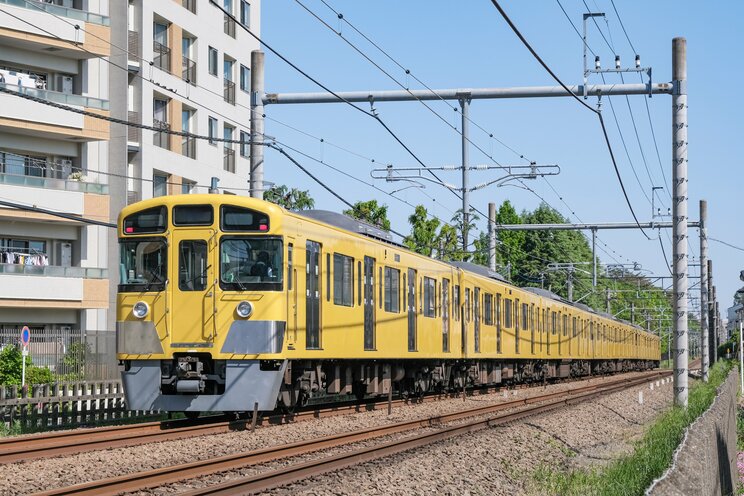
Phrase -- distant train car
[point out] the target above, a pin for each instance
(228, 303)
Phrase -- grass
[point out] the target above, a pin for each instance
(631, 474)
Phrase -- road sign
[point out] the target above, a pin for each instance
(25, 336)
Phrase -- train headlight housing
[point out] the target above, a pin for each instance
(140, 309)
(244, 309)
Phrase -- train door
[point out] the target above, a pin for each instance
(193, 317)
(291, 295)
(411, 310)
(532, 327)
(445, 316)
(312, 295)
(369, 303)
(476, 319)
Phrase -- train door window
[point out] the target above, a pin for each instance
(429, 296)
(532, 328)
(498, 323)
(381, 285)
(421, 295)
(456, 303)
(192, 265)
(467, 304)
(312, 310)
(476, 319)
(411, 310)
(359, 283)
(328, 276)
(392, 290)
(543, 327)
(369, 303)
(290, 247)
(488, 309)
(507, 313)
(343, 280)
(516, 325)
(445, 315)
(404, 291)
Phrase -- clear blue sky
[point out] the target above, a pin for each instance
(471, 46)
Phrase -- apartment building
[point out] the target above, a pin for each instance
(53, 271)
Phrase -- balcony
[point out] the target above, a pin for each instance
(54, 271)
(188, 147)
(161, 56)
(160, 138)
(229, 92)
(189, 5)
(34, 172)
(52, 183)
(228, 161)
(188, 71)
(229, 26)
(58, 97)
(59, 10)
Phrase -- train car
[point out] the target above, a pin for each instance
(229, 303)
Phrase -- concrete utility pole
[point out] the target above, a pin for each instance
(679, 217)
(257, 124)
(704, 342)
(492, 236)
(465, 113)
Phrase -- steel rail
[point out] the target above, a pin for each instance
(165, 475)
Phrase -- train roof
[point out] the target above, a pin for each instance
(349, 224)
(478, 269)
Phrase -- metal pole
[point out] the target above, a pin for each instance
(607, 300)
(718, 328)
(464, 106)
(709, 309)
(741, 358)
(257, 123)
(679, 216)
(632, 312)
(594, 257)
(704, 344)
(492, 236)
(713, 326)
(570, 284)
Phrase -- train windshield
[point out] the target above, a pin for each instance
(250, 262)
(143, 265)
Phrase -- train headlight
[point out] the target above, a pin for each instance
(140, 309)
(244, 309)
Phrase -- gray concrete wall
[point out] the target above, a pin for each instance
(705, 462)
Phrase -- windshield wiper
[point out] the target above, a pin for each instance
(160, 280)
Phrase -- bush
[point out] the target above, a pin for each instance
(11, 368)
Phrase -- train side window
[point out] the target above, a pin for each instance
(429, 297)
(328, 276)
(343, 280)
(192, 265)
(565, 325)
(290, 248)
(507, 313)
(524, 316)
(467, 304)
(553, 318)
(498, 323)
(488, 309)
(359, 283)
(456, 302)
(381, 284)
(574, 326)
(392, 290)
(532, 327)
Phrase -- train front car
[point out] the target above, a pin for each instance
(201, 309)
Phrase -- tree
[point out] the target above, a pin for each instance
(291, 199)
(423, 238)
(371, 213)
(463, 229)
(448, 247)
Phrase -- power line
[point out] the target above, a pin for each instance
(63, 215)
(726, 243)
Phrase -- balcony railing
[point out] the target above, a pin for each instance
(188, 71)
(134, 134)
(54, 271)
(189, 5)
(229, 160)
(229, 92)
(229, 26)
(59, 10)
(52, 183)
(188, 147)
(57, 97)
(160, 138)
(133, 45)
(161, 55)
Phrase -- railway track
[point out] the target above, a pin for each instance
(65, 443)
(293, 472)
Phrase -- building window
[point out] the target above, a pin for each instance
(227, 69)
(245, 78)
(229, 22)
(160, 49)
(159, 184)
(392, 290)
(213, 61)
(245, 145)
(229, 151)
(343, 278)
(429, 296)
(245, 13)
(212, 130)
(188, 68)
(188, 143)
(160, 121)
(187, 187)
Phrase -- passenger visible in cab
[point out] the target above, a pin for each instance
(261, 267)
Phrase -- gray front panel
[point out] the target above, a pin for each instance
(245, 385)
(137, 337)
(249, 337)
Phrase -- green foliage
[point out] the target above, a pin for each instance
(423, 238)
(39, 375)
(291, 199)
(11, 369)
(633, 473)
(371, 213)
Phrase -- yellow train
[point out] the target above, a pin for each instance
(229, 303)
